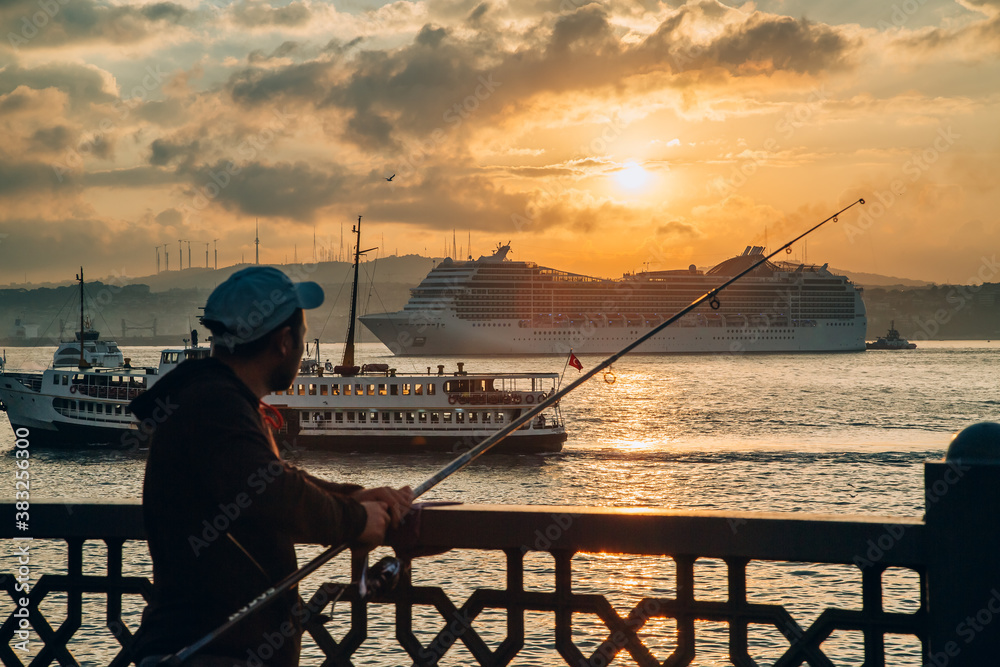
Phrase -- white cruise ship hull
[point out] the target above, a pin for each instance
(449, 335)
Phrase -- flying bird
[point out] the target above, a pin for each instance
(391, 177)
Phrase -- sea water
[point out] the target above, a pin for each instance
(823, 433)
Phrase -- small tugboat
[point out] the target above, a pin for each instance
(891, 341)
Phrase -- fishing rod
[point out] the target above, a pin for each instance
(712, 297)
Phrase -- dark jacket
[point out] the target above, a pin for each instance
(222, 513)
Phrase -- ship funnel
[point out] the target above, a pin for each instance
(440, 369)
(461, 369)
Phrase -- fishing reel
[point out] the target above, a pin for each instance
(381, 578)
(375, 581)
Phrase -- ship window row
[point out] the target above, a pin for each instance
(415, 417)
(92, 380)
(68, 407)
(359, 389)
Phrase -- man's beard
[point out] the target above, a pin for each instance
(282, 378)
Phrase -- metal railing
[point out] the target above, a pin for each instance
(737, 539)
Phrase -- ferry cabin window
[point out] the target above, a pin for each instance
(359, 390)
(397, 417)
(459, 417)
(430, 389)
(338, 417)
(487, 417)
(327, 416)
(418, 389)
(394, 389)
(422, 417)
(473, 417)
(409, 417)
(362, 417)
(382, 390)
(406, 389)
(335, 390)
(435, 418)
(385, 417)
(312, 389)
(347, 390)
(373, 417)
(446, 418)
(371, 390)
(350, 415)
(500, 418)
(324, 390)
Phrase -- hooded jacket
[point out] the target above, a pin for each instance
(222, 514)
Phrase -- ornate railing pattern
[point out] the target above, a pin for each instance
(736, 539)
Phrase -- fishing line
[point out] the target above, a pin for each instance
(468, 457)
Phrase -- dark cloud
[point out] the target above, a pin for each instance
(255, 85)
(52, 138)
(585, 30)
(479, 12)
(676, 228)
(284, 50)
(18, 178)
(782, 43)
(338, 47)
(295, 191)
(162, 152)
(170, 217)
(83, 85)
(82, 21)
(259, 13)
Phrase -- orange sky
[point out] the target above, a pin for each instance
(598, 138)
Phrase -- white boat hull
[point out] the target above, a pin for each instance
(449, 335)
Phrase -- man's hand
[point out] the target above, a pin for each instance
(396, 502)
(378, 521)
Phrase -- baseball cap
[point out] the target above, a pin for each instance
(255, 301)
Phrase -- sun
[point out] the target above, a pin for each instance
(632, 176)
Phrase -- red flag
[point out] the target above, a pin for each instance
(574, 362)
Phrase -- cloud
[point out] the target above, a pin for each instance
(675, 228)
(259, 13)
(85, 85)
(87, 21)
(294, 191)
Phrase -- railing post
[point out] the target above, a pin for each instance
(963, 550)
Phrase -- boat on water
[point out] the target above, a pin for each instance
(497, 306)
(343, 408)
(371, 407)
(891, 341)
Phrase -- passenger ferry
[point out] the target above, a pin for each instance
(376, 409)
(370, 407)
(494, 305)
(85, 407)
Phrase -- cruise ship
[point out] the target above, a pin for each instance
(496, 306)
